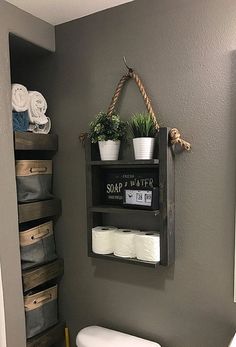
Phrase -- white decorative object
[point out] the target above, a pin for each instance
(143, 147)
(109, 150)
(102, 239)
(124, 243)
(95, 336)
(147, 246)
(233, 342)
(19, 98)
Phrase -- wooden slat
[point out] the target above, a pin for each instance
(125, 163)
(39, 209)
(26, 141)
(124, 260)
(123, 210)
(35, 277)
(49, 337)
(167, 198)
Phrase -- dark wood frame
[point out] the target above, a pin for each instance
(165, 216)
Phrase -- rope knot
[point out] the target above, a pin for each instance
(175, 138)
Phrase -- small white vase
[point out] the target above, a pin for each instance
(109, 150)
(143, 147)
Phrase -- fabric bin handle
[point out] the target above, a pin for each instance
(40, 235)
(42, 299)
(31, 236)
(38, 169)
(32, 302)
(38, 302)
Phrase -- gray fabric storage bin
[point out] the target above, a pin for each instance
(37, 245)
(34, 180)
(41, 311)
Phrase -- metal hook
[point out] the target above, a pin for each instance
(125, 62)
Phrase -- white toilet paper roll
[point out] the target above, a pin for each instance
(124, 243)
(102, 239)
(147, 246)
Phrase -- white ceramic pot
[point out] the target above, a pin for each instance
(143, 147)
(109, 150)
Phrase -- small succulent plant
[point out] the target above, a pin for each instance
(106, 127)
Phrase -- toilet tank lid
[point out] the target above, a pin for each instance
(102, 337)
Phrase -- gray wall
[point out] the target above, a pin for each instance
(41, 33)
(184, 50)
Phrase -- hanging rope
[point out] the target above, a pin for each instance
(175, 136)
(123, 80)
(117, 93)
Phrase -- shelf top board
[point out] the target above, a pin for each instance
(39, 209)
(122, 210)
(36, 276)
(124, 163)
(27, 141)
(125, 260)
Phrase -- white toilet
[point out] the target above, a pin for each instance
(95, 336)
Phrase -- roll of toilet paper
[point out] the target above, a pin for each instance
(124, 243)
(147, 246)
(102, 239)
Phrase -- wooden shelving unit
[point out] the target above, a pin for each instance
(38, 146)
(164, 217)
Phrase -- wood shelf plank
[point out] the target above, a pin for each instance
(124, 260)
(39, 209)
(39, 275)
(27, 141)
(125, 163)
(122, 210)
(49, 337)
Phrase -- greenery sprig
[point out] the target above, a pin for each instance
(142, 125)
(106, 127)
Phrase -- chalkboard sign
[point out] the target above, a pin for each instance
(116, 180)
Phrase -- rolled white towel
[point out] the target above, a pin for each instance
(41, 128)
(20, 97)
(37, 108)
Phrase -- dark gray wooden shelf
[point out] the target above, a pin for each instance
(125, 163)
(39, 209)
(49, 337)
(27, 141)
(122, 210)
(124, 260)
(41, 274)
(161, 220)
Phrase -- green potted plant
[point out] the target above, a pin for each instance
(143, 132)
(108, 132)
